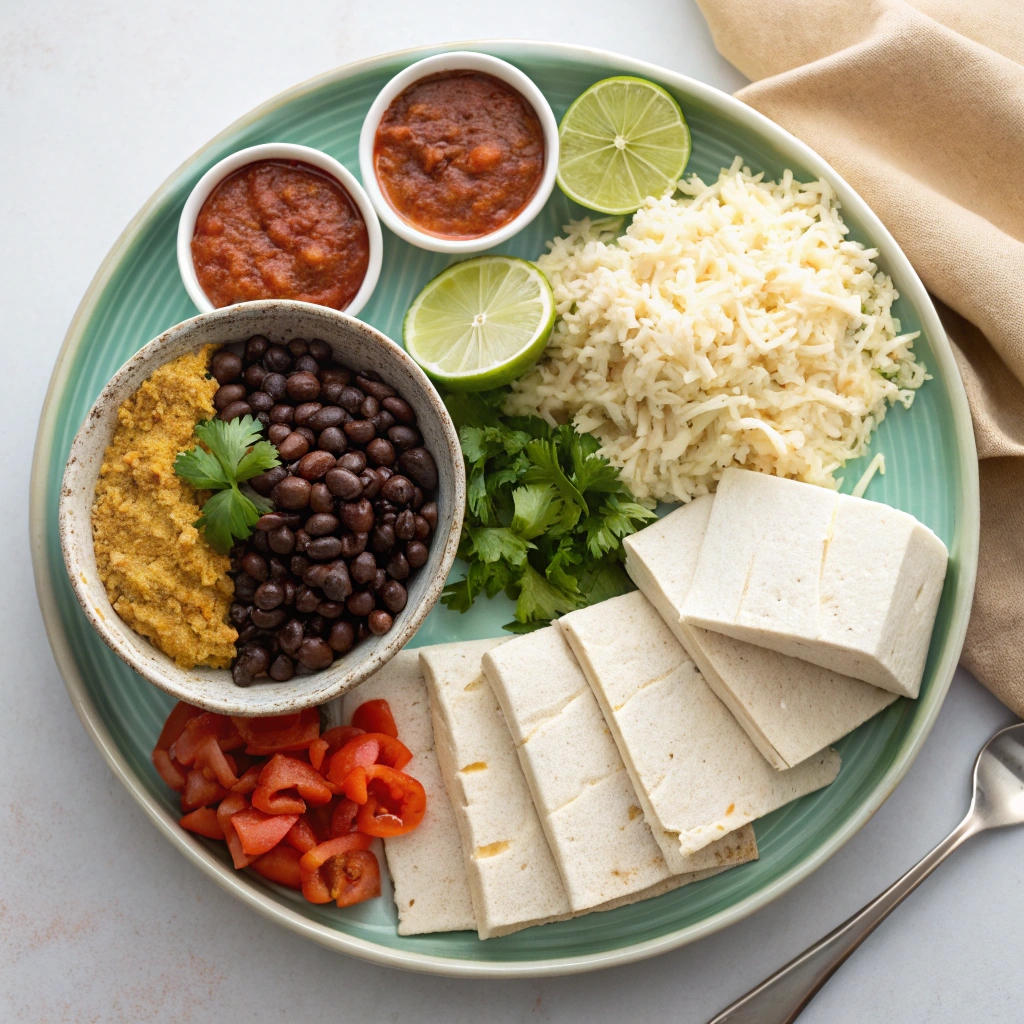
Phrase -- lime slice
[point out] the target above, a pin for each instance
(623, 140)
(480, 323)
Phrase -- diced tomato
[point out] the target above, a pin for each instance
(321, 750)
(196, 731)
(375, 716)
(342, 870)
(361, 751)
(392, 803)
(204, 822)
(230, 806)
(301, 835)
(214, 763)
(279, 733)
(180, 715)
(170, 771)
(200, 791)
(247, 783)
(343, 820)
(261, 832)
(279, 777)
(280, 865)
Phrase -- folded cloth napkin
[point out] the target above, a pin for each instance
(920, 106)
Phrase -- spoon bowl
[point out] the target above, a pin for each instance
(999, 781)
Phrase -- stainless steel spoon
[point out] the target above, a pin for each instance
(998, 801)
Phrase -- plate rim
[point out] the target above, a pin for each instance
(239, 885)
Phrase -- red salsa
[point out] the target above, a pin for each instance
(280, 229)
(459, 154)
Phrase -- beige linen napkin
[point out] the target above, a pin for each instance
(920, 106)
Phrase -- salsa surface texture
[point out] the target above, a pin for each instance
(459, 154)
(279, 229)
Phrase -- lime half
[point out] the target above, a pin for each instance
(621, 141)
(480, 323)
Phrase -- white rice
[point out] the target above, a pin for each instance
(734, 326)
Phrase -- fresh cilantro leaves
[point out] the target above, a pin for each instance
(234, 452)
(545, 514)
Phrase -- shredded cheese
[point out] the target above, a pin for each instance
(735, 326)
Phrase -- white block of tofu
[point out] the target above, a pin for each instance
(789, 708)
(695, 770)
(426, 865)
(844, 583)
(588, 808)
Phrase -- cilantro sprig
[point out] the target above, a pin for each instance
(234, 453)
(545, 514)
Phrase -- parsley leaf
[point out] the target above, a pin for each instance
(234, 452)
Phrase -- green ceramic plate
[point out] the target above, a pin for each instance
(932, 473)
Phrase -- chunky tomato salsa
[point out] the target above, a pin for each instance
(280, 229)
(459, 154)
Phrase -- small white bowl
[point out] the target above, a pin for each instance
(458, 60)
(276, 151)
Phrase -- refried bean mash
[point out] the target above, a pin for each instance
(161, 577)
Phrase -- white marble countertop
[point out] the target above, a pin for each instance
(101, 920)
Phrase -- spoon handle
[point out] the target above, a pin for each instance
(781, 998)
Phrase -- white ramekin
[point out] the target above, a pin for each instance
(276, 151)
(458, 60)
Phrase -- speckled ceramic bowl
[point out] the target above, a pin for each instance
(356, 345)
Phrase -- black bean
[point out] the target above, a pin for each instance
(307, 434)
(282, 414)
(369, 407)
(377, 388)
(363, 567)
(379, 622)
(317, 625)
(398, 566)
(282, 541)
(360, 603)
(351, 399)
(303, 387)
(337, 585)
(419, 466)
(333, 439)
(328, 416)
(314, 576)
(268, 620)
(292, 447)
(306, 364)
(314, 654)
(320, 350)
(330, 389)
(321, 524)
(281, 669)
(238, 614)
(298, 564)
(384, 474)
(315, 465)
(298, 347)
(256, 348)
(278, 359)
(260, 543)
(268, 596)
(330, 609)
(254, 376)
(356, 515)
(289, 588)
(321, 499)
(247, 635)
(343, 636)
(234, 411)
(301, 540)
(278, 570)
(354, 462)
(416, 554)
(400, 409)
(394, 595)
(422, 527)
(370, 482)
(380, 451)
(324, 549)
(245, 586)
(226, 366)
(278, 432)
(252, 661)
(382, 538)
(305, 412)
(255, 565)
(270, 521)
(429, 512)
(291, 492)
(260, 401)
(343, 483)
(383, 422)
(360, 431)
(353, 544)
(306, 599)
(403, 438)
(398, 490)
(417, 498)
(380, 577)
(276, 385)
(405, 526)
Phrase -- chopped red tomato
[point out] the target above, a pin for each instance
(361, 751)
(214, 763)
(330, 743)
(301, 835)
(171, 771)
(283, 775)
(247, 783)
(196, 732)
(204, 822)
(343, 820)
(230, 806)
(180, 715)
(200, 791)
(280, 733)
(375, 716)
(280, 865)
(391, 802)
(342, 870)
(261, 832)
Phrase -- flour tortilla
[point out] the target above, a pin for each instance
(789, 708)
(695, 770)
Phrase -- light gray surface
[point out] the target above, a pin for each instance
(100, 920)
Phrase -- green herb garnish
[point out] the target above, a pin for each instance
(545, 514)
(234, 452)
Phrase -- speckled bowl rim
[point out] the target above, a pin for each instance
(211, 688)
(439, 965)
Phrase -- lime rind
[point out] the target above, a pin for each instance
(650, 156)
(480, 323)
